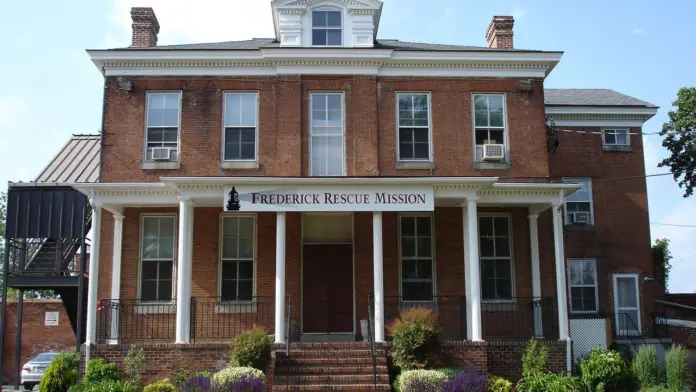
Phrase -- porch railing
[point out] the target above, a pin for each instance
(133, 320)
(213, 319)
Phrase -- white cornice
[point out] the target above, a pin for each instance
(590, 116)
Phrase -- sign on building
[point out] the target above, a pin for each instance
(51, 319)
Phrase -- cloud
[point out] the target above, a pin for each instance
(638, 31)
(518, 13)
(208, 21)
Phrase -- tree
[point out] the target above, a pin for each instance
(680, 139)
(662, 257)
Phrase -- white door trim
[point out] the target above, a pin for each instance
(616, 298)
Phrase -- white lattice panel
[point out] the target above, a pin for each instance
(587, 334)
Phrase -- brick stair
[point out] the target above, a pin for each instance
(330, 367)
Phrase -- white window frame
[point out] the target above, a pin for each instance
(147, 120)
(428, 94)
(506, 133)
(224, 127)
(175, 262)
(574, 180)
(595, 286)
(513, 288)
(221, 259)
(605, 131)
(616, 298)
(312, 28)
(343, 128)
(432, 254)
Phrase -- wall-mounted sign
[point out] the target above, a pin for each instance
(329, 198)
(51, 319)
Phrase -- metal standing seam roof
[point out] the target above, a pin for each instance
(591, 97)
(77, 162)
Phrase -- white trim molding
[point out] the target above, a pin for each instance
(594, 116)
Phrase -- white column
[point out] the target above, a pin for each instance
(536, 272)
(91, 330)
(474, 279)
(116, 275)
(561, 292)
(189, 273)
(378, 275)
(280, 279)
(467, 270)
(183, 279)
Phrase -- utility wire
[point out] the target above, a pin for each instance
(672, 224)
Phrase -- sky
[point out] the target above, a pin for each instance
(49, 89)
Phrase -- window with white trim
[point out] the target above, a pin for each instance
(162, 124)
(496, 257)
(416, 258)
(616, 137)
(578, 205)
(327, 28)
(414, 126)
(238, 256)
(157, 258)
(489, 122)
(240, 126)
(327, 134)
(582, 275)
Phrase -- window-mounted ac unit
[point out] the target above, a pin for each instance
(581, 217)
(493, 152)
(161, 154)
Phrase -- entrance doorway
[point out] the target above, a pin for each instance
(327, 275)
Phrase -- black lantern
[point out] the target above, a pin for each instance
(233, 201)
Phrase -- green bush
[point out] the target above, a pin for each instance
(133, 365)
(99, 370)
(252, 349)
(535, 379)
(534, 357)
(421, 380)
(646, 369)
(657, 388)
(603, 370)
(105, 386)
(61, 373)
(415, 335)
(235, 374)
(677, 371)
(160, 386)
(499, 384)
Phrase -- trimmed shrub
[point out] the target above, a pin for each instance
(422, 381)
(61, 373)
(160, 386)
(602, 370)
(252, 349)
(499, 384)
(677, 371)
(646, 369)
(468, 380)
(99, 370)
(105, 386)
(240, 377)
(415, 335)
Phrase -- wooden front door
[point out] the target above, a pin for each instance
(327, 288)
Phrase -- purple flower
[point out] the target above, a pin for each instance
(468, 380)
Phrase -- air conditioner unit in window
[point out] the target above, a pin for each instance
(581, 217)
(161, 154)
(493, 152)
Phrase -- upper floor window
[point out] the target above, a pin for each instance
(583, 285)
(496, 257)
(241, 126)
(414, 126)
(416, 258)
(162, 126)
(578, 205)
(327, 28)
(327, 135)
(238, 255)
(616, 137)
(157, 258)
(489, 127)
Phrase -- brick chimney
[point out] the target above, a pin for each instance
(499, 34)
(145, 27)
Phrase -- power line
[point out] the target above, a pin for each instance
(672, 224)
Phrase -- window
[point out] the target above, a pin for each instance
(583, 286)
(326, 28)
(238, 253)
(489, 121)
(240, 134)
(579, 201)
(157, 259)
(414, 126)
(163, 123)
(416, 258)
(496, 259)
(326, 150)
(616, 137)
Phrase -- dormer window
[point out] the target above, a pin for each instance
(327, 28)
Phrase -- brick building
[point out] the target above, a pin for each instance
(312, 175)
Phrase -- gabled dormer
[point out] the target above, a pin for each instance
(326, 23)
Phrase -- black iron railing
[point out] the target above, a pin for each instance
(371, 340)
(213, 319)
(132, 320)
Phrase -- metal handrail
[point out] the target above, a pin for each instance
(288, 327)
(371, 340)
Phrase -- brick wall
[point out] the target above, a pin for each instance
(36, 337)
